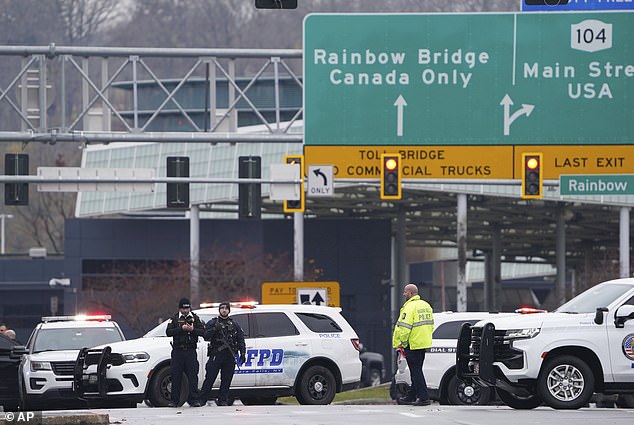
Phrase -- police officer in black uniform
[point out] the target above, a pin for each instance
(226, 342)
(185, 327)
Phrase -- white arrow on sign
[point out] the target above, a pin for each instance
(400, 104)
(508, 118)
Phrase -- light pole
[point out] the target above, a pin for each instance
(3, 217)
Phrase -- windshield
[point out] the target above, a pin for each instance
(597, 296)
(74, 338)
(159, 330)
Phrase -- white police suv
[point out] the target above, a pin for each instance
(46, 371)
(560, 358)
(440, 363)
(307, 351)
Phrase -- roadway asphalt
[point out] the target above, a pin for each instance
(343, 414)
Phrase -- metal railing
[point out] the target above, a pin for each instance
(94, 94)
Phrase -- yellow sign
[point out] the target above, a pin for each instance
(417, 162)
(286, 292)
(557, 160)
(472, 162)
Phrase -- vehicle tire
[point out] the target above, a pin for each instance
(161, 388)
(317, 385)
(374, 379)
(565, 382)
(467, 393)
(25, 405)
(258, 401)
(148, 403)
(517, 402)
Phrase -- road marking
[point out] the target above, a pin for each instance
(411, 415)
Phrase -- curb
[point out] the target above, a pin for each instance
(51, 418)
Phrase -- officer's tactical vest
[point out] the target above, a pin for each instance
(226, 336)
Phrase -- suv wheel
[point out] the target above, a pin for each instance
(517, 402)
(461, 392)
(317, 385)
(161, 388)
(566, 382)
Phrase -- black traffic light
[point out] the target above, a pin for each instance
(249, 194)
(16, 164)
(532, 182)
(390, 176)
(299, 204)
(177, 193)
(276, 4)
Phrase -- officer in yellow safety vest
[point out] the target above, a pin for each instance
(413, 332)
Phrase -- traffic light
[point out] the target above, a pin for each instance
(249, 194)
(16, 164)
(276, 4)
(299, 204)
(390, 176)
(177, 193)
(532, 183)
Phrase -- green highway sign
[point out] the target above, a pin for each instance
(591, 184)
(469, 79)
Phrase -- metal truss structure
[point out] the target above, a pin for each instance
(69, 94)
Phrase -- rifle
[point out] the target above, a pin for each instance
(225, 343)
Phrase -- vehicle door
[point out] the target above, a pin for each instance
(442, 354)
(242, 377)
(201, 350)
(279, 350)
(621, 346)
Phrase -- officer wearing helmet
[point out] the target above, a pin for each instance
(226, 344)
(184, 327)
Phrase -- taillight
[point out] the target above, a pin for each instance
(355, 343)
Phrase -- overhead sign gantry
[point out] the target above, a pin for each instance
(464, 95)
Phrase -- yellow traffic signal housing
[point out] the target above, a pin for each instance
(532, 176)
(298, 205)
(391, 176)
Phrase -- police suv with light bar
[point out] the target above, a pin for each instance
(46, 371)
(307, 351)
(561, 358)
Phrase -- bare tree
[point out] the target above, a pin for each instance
(139, 295)
(41, 223)
(82, 20)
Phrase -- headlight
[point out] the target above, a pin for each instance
(35, 366)
(512, 334)
(136, 357)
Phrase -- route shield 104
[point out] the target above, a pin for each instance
(469, 79)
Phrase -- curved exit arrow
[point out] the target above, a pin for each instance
(506, 102)
(323, 176)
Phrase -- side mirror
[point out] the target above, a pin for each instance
(623, 314)
(17, 351)
(598, 317)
